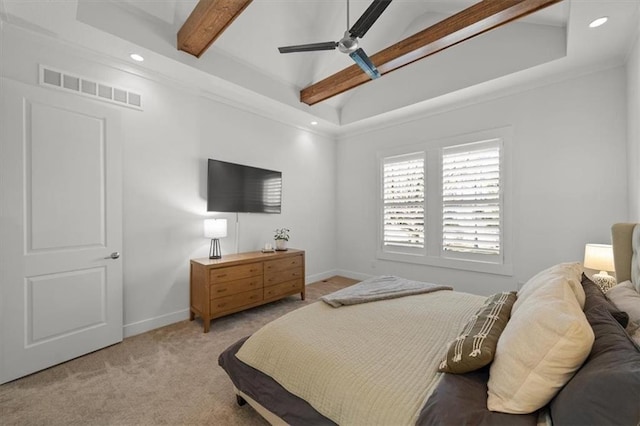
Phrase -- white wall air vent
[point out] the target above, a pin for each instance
(89, 87)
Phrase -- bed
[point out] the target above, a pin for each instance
(560, 351)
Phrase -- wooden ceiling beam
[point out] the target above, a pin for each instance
(475, 20)
(208, 20)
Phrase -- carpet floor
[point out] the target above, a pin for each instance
(168, 376)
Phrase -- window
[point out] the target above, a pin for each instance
(443, 203)
(403, 201)
(471, 201)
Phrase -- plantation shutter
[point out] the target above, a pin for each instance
(471, 198)
(403, 201)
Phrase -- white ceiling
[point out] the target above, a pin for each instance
(245, 65)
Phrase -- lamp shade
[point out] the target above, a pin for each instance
(215, 228)
(599, 257)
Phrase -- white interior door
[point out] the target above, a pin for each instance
(61, 219)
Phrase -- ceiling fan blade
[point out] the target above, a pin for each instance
(327, 45)
(365, 63)
(368, 18)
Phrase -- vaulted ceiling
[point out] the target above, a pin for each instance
(210, 18)
(244, 65)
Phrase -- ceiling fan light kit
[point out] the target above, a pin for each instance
(365, 63)
(349, 42)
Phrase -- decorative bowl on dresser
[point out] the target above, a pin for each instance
(241, 281)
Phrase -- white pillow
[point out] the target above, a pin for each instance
(627, 299)
(569, 273)
(546, 340)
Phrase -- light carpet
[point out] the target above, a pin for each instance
(168, 376)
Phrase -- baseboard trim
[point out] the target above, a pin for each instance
(309, 279)
(352, 274)
(143, 326)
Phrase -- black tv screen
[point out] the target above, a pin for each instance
(242, 189)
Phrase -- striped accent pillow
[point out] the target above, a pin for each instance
(476, 345)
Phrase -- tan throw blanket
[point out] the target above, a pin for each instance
(379, 288)
(366, 364)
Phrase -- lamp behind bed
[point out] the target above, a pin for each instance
(600, 258)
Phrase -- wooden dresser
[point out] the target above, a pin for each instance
(241, 281)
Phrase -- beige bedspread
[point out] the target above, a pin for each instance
(369, 364)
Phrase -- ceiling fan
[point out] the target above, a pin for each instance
(349, 42)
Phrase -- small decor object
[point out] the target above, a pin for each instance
(281, 236)
(215, 229)
(600, 258)
(268, 248)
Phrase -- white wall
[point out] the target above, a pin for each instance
(633, 128)
(164, 165)
(569, 175)
(568, 172)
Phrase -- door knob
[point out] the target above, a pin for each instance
(113, 255)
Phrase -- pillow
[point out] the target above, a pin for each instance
(625, 298)
(542, 346)
(461, 399)
(605, 391)
(595, 297)
(475, 346)
(554, 276)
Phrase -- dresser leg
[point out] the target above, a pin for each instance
(206, 323)
(192, 315)
(302, 296)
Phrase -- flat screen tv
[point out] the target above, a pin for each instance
(242, 189)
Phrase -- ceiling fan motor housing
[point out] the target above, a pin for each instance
(348, 43)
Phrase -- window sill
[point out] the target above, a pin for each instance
(441, 262)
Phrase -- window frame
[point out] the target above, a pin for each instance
(433, 253)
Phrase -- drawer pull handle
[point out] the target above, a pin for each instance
(221, 290)
(221, 305)
(221, 275)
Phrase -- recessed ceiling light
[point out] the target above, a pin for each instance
(598, 22)
(314, 123)
(136, 57)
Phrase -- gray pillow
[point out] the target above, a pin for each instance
(627, 299)
(595, 297)
(461, 399)
(605, 389)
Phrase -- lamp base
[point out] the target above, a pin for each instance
(214, 249)
(604, 281)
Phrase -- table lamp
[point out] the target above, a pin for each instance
(215, 229)
(600, 257)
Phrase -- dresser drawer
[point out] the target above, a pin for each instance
(282, 264)
(282, 276)
(289, 287)
(236, 301)
(234, 287)
(232, 273)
